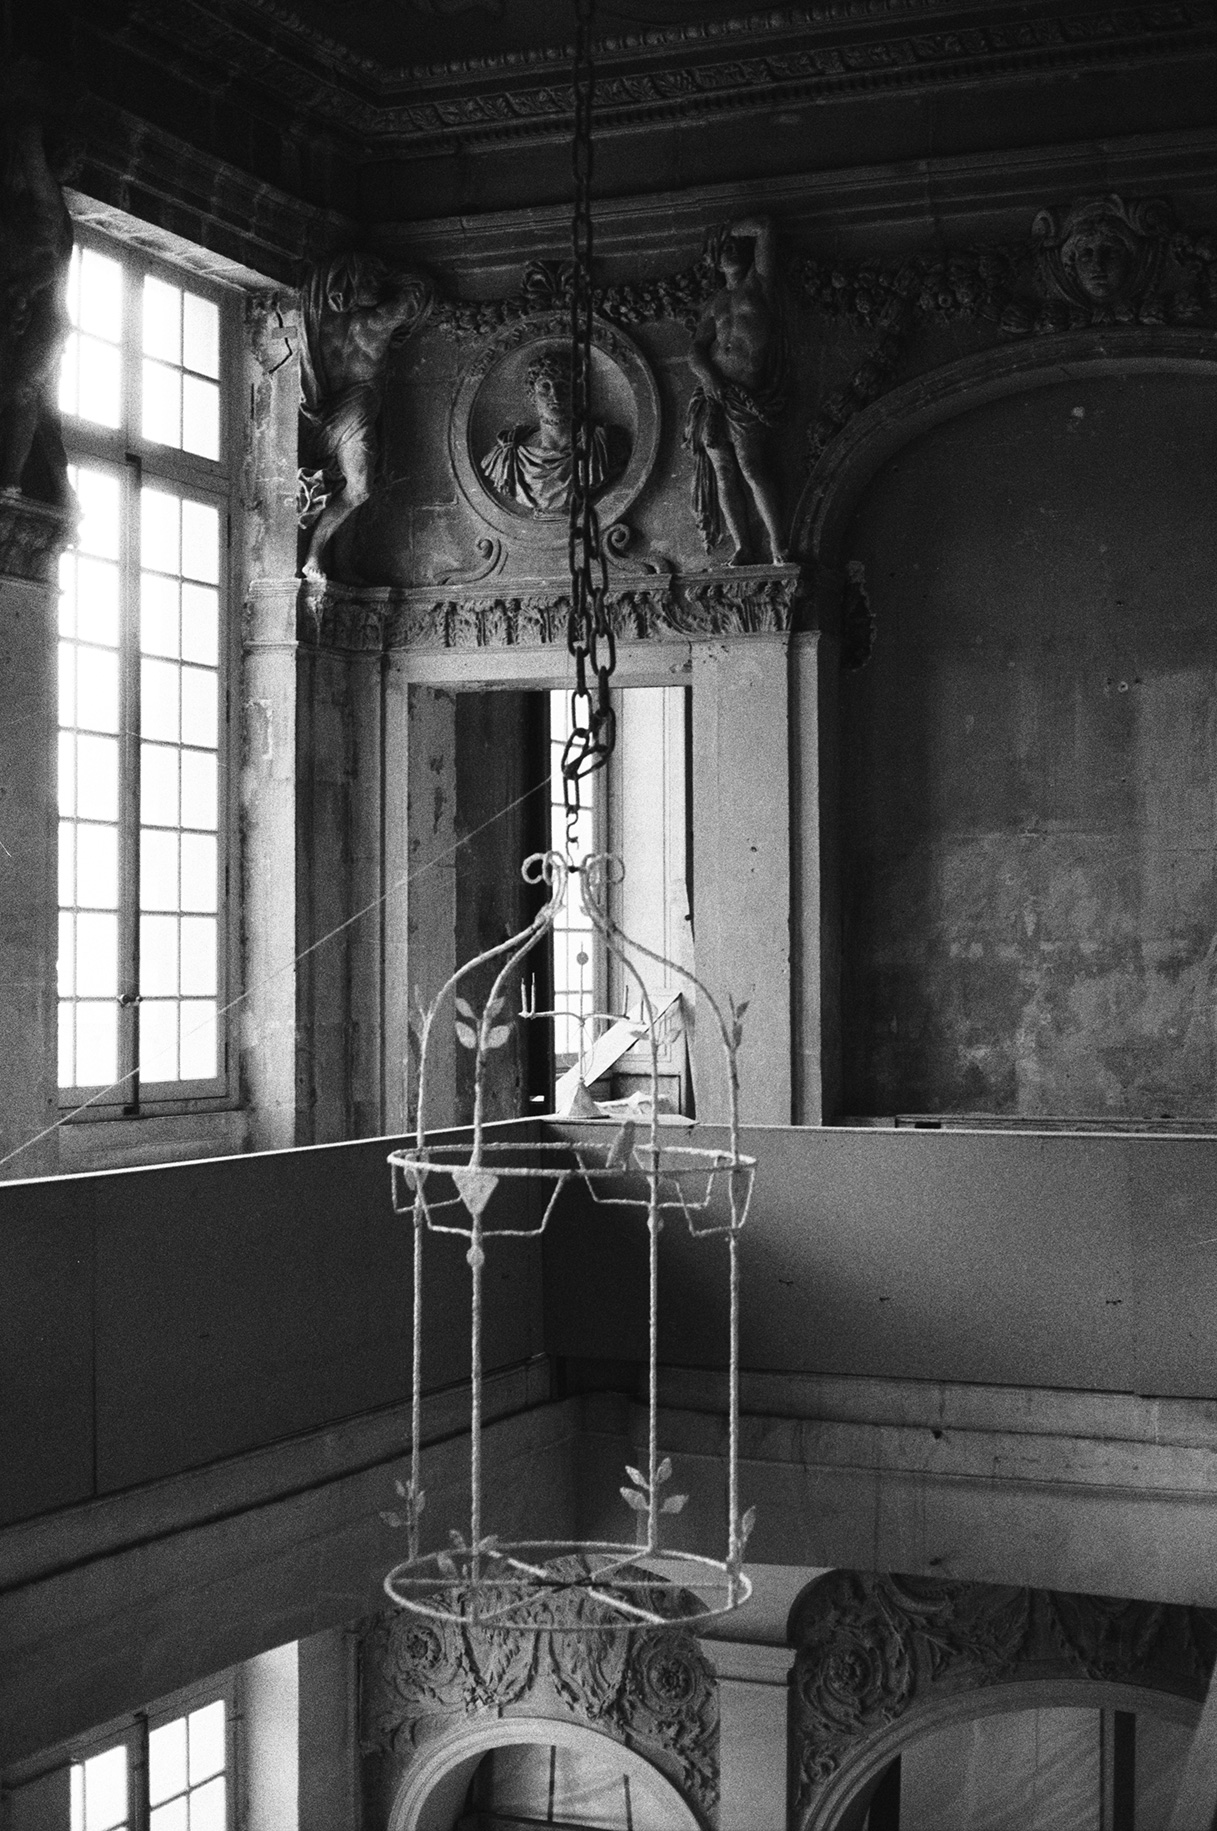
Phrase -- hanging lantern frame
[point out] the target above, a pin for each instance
(447, 1188)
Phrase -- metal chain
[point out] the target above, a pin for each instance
(590, 637)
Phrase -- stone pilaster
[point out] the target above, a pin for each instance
(31, 538)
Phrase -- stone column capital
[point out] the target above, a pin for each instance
(32, 536)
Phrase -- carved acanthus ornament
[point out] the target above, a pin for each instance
(32, 536)
(871, 1649)
(655, 1693)
(532, 613)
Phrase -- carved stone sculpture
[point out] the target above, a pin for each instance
(533, 465)
(873, 1650)
(35, 251)
(739, 357)
(1103, 252)
(354, 309)
(654, 1692)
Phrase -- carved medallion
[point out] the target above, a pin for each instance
(509, 437)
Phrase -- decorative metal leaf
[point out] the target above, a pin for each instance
(467, 1036)
(402, 1489)
(445, 1563)
(664, 1471)
(674, 1503)
(475, 1187)
(633, 1498)
(494, 1007)
(466, 1009)
(746, 1525)
(498, 1036)
(392, 1519)
(636, 1476)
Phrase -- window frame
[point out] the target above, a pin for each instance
(139, 461)
(133, 1729)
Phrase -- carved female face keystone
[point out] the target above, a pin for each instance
(1098, 257)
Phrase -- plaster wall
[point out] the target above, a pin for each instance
(1028, 763)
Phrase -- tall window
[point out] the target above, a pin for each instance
(578, 974)
(165, 1769)
(142, 694)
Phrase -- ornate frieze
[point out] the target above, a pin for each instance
(871, 1648)
(532, 613)
(654, 1692)
(32, 536)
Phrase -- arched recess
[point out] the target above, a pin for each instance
(885, 1660)
(864, 445)
(835, 494)
(434, 1789)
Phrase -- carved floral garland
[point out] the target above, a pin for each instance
(654, 1692)
(870, 1647)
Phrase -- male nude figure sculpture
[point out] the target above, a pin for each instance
(35, 249)
(354, 308)
(739, 357)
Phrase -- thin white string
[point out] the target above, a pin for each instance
(391, 890)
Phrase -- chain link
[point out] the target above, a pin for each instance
(590, 636)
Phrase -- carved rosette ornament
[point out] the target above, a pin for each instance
(876, 1651)
(655, 1693)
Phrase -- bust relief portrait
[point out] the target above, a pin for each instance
(509, 435)
(532, 464)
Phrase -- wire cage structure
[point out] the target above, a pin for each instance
(537, 1586)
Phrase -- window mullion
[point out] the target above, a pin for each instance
(129, 790)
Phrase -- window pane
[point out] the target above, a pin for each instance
(199, 790)
(159, 699)
(207, 1807)
(198, 871)
(158, 1041)
(158, 614)
(67, 863)
(66, 954)
(67, 1078)
(198, 955)
(106, 1790)
(97, 601)
(201, 624)
(173, 1817)
(158, 789)
(201, 335)
(167, 1760)
(200, 416)
(67, 772)
(158, 976)
(100, 295)
(78, 1785)
(201, 542)
(67, 593)
(207, 1742)
(69, 369)
(97, 689)
(162, 403)
(160, 524)
(97, 777)
(97, 866)
(97, 955)
(162, 320)
(96, 1064)
(99, 396)
(67, 684)
(199, 707)
(97, 493)
(158, 870)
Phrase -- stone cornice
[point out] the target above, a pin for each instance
(531, 613)
(32, 536)
(686, 72)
